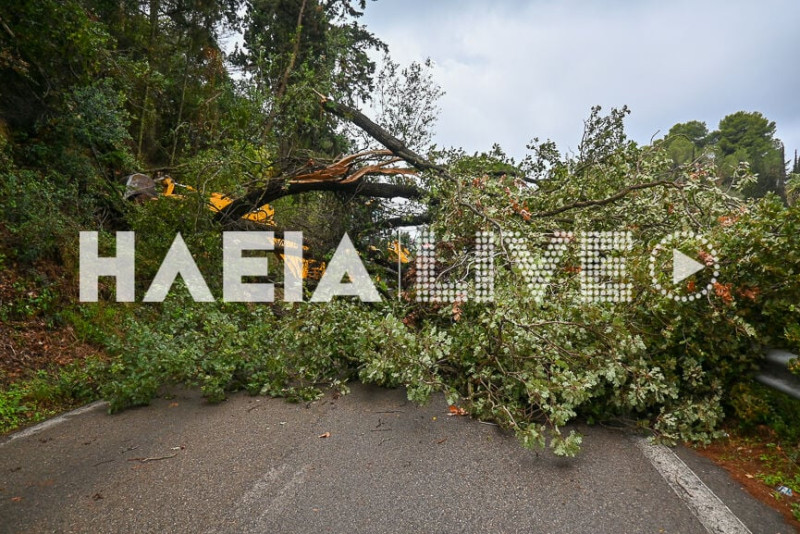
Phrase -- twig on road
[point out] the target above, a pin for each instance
(153, 459)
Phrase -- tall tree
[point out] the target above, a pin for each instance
(171, 63)
(750, 137)
(686, 141)
(293, 48)
(45, 48)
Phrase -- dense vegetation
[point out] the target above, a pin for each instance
(116, 87)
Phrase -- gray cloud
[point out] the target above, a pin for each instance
(514, 70)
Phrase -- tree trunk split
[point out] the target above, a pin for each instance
(282, 187)
(379, 134)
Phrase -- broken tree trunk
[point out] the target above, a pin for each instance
(378, 133)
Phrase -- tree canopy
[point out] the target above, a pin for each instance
(741, 138)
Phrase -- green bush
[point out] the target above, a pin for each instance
(34, 208)
(12, 408)
(219, 348)
(754, 404)
(49, 392)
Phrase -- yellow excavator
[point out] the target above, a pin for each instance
(141, 187)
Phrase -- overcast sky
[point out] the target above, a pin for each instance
(515, 69)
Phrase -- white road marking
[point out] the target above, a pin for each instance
(266, 498)
(44, 425)
(709, 509)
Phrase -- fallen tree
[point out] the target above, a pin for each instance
(529, 364)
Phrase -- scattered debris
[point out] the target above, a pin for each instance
(378, 427)
(97, 496)
(455, 410)
(440, 441)
(786, 491)
(16, 499)
(153, 459)
(325, 435)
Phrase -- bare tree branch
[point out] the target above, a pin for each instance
(378, 133)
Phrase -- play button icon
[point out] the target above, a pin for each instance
(683, 266)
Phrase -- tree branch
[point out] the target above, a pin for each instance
(608, 200)
(405, 220)
(277, 188)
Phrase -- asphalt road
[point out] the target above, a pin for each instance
(258, 465)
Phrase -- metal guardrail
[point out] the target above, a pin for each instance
(775, 373)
